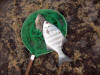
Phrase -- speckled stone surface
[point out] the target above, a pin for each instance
(83, 45)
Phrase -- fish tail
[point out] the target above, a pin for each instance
(63, 58)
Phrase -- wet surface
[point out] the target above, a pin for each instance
(83, 45)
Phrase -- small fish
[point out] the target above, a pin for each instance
(54, 40)
(39, 22)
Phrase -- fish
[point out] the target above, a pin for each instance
(54, 40)
(39, 22)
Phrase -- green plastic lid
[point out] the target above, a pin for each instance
(33, 38)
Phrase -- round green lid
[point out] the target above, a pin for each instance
(33, 38)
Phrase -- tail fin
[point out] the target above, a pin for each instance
(63, 58)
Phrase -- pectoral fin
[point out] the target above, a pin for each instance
(48, 48)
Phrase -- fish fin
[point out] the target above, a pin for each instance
(48, 48)
(65, 40)
(63, 58)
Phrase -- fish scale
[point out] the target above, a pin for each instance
(54, 40)
(54, 36)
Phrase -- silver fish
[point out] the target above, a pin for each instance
(54, 40)
(39, 22)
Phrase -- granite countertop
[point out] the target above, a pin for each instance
(83, 45)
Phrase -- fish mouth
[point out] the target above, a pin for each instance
(47, 22)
